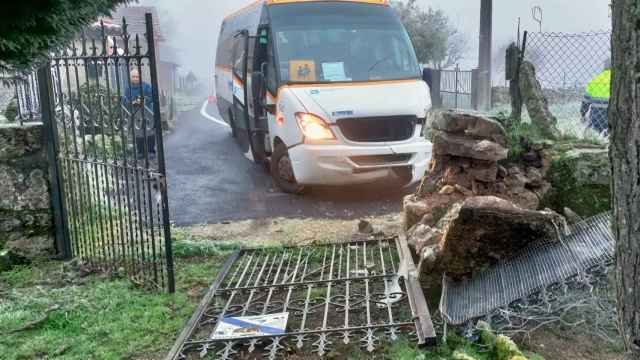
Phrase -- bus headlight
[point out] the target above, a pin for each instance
(314, 127)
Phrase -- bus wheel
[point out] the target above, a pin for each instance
(282, 171)
(232, 124)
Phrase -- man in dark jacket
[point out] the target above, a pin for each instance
(138, 102)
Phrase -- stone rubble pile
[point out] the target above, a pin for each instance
(470, 210)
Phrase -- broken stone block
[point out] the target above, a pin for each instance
(590, 166)
(427, 211)
(470, 125)
(421, 236)
(462, 146)
(484, 171)
(534, 177)
(483, 230)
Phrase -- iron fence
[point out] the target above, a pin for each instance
(456, 88)
(362, 292)
(20, 98)
(571, 69)
(101, 104)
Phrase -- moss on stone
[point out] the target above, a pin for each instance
(583, 198)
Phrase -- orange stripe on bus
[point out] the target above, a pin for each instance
(275, 2)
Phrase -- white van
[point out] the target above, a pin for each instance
(326, 92)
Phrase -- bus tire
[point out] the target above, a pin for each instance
(282, 171)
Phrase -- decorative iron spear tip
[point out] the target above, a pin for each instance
(74, 49)
(115, 47)
(104, 38)
(94, 48)
(125, 27)
(138, 47)
(83, 39)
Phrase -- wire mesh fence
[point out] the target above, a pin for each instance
(574, 72)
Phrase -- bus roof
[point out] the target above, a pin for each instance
(274, 2)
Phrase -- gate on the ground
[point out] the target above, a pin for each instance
(100, 104)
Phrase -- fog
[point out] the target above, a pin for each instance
(193, 25)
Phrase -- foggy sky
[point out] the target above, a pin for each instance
(196, 23)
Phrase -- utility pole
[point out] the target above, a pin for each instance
(484, 58)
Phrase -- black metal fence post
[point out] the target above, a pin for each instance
(161, 160)
(47, 105)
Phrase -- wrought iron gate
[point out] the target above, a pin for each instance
(100, 102)
(360, 292)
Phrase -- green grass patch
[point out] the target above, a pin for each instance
(95, 317)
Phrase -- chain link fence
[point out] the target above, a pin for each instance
(573, 70)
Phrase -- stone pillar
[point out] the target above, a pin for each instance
(484, 58)
(26, 220)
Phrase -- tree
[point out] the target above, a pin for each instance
(624, 113)
(31, 28)
(436, 41)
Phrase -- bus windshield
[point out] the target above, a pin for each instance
(341, 41)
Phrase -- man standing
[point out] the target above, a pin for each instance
(595, 105)
(138, 102)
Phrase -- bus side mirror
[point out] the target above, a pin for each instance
(427, 76)
(259, 86)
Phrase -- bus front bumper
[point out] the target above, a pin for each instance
(346, 165)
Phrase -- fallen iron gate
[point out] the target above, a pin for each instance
(99, 100)
(359, 292)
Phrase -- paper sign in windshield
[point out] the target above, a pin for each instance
(302, 70)
(334, 71)
(250, 326)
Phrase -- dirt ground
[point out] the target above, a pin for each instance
(281, 231)
(571, 346)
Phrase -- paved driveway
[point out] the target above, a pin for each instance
(210, 181)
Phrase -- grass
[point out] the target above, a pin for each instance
(97, 317)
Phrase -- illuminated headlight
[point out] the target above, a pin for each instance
(314, 127)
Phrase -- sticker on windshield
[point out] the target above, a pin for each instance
(334, 71)
(302, 70)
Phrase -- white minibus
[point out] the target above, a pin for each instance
(325, 92)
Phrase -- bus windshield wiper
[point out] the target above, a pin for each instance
(378, 63)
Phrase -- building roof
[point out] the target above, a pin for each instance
(135, 17)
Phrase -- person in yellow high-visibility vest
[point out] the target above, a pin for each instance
(595, 105)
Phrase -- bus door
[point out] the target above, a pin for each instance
(240, 120)
(258, 124)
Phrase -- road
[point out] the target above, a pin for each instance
(210, 181)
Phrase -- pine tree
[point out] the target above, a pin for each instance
(29, 29)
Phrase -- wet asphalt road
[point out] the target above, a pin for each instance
(210, 181)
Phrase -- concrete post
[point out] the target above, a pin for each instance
(484, 58)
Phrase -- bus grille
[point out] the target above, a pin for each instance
(378, 129)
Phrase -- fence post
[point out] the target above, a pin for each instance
(475, 88)
(457, 87)
(47, 108)
(161, 161)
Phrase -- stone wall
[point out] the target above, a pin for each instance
(26, 220)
